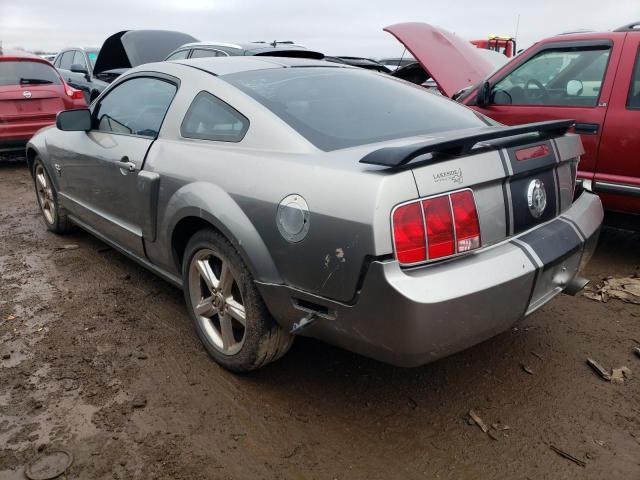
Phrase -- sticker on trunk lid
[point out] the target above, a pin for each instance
(453, 176)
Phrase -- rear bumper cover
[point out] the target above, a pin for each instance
(412, 317)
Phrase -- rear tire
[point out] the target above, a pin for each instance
(54, 216)
(226, 308)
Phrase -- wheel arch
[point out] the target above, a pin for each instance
(198, 202)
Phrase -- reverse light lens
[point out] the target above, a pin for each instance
(408, 233)
(532, 152)
(466, 221)
(437, 213)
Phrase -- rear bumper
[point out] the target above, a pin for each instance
(412, 317)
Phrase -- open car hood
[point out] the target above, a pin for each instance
(131, 48)
(450, 60)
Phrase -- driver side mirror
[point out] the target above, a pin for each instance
(77, 68)
(74, 120)
(483, 97)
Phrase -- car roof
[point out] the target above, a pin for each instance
(10, 54)
(228, 65)
(255, 48)
(248, 46)
(577, 36)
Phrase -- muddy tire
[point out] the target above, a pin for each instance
(54, 216)
(226, 308)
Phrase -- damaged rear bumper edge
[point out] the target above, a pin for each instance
(412, 317)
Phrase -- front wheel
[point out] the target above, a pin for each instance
(53, 215)
(228, 312)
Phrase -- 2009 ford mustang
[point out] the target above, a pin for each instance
(292, 196)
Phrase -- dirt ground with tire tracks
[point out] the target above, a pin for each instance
(98, 356)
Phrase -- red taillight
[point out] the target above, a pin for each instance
(452, 227)
(73, 93)
(437, 213)
(408, 233)
(532, 152)
(466, 220)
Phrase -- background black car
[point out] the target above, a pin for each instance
(91, 69)
(76, 64)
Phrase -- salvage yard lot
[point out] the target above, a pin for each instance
(99, 357)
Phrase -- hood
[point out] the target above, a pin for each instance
(131, 48)
(450, 60)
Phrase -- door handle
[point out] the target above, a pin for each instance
(587, 128)
(125, 164)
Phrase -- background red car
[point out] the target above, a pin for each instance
(32, 92)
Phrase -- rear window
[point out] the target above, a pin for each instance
(19, 72)
(342, 107)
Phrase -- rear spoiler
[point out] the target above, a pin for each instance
(464, 143)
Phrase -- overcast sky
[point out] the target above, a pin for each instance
(347, 27)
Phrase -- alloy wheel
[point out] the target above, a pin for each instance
(217, 302)
(45, 195)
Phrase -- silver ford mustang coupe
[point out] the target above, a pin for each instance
(298, 197)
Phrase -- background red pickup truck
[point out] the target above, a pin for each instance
(593, 78)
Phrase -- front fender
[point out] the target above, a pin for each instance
(211, 203)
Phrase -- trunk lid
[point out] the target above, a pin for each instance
(452, 62)
(19, 103)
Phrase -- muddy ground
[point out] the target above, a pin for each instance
(97, 356)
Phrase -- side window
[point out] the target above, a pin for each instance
(559, 77)
(633, 101)
(209, 118)
(78, 59)
(203, 53)
(179, 55)
(135, 107)
(65, 61)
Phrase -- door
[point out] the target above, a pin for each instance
(560, 80)
(101, 170)
(617, 177)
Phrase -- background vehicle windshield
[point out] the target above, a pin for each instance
(14, 72)
(93, 55)
(546, 79)
(338, 107)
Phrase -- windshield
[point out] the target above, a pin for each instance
(342, 107)
(21, 72)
